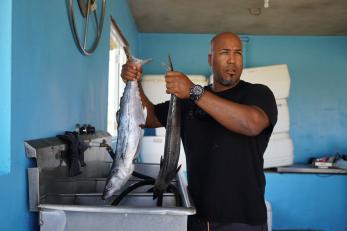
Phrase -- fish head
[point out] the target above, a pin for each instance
(108, 191)
(113, 185)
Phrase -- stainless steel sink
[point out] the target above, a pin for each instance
(75, 203)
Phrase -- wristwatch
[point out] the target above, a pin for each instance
(195, 93)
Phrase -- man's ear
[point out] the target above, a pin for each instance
(209, 59)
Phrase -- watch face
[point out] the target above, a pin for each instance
(197, 90)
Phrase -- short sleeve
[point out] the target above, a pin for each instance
(262, 97)
(161, 111)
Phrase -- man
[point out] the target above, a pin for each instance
(225, 130)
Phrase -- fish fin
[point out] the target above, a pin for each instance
(138, 150)
(144, 110)
(117, 117)
(170, 176)
(161, 161)
(155, 195)
(140, 61)
(179, 167)
(111, 152)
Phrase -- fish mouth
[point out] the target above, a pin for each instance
(106, 195)
(108, 192)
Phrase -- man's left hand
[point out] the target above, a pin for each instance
(178, 84)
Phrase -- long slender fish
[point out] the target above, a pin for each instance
(168, 164)
(131, 119)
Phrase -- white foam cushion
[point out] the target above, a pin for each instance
(283, 121)
(276, 77)
(278, 163)
(280, 151)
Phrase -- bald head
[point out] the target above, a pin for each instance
(223, 36)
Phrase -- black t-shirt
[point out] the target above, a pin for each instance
(224, 168)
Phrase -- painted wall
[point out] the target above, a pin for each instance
(188, 52)
(318, 115)
(53, 88)
(5, 86)
(307, 201)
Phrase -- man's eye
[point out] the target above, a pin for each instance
(224, 52)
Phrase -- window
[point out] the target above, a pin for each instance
(118, 46)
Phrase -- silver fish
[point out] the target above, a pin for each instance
(131, 119)
(168, 164)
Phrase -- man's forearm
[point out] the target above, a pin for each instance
(243, 119)
(151, 120)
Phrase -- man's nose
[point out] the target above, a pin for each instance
(231, 59)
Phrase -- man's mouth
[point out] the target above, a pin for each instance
(230, 73)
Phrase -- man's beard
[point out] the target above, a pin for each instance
(227, 82)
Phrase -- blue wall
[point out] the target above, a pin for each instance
(318, 114)
(53, 88)
(5, 85)
(308, 201)
(188, 52)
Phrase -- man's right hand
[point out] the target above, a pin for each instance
(131, 71)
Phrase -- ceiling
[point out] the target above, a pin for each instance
(282, 17)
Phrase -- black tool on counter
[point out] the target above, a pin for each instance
(85, 129)
(90, 129)
(74, 154)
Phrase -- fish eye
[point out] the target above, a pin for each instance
(109, 186)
